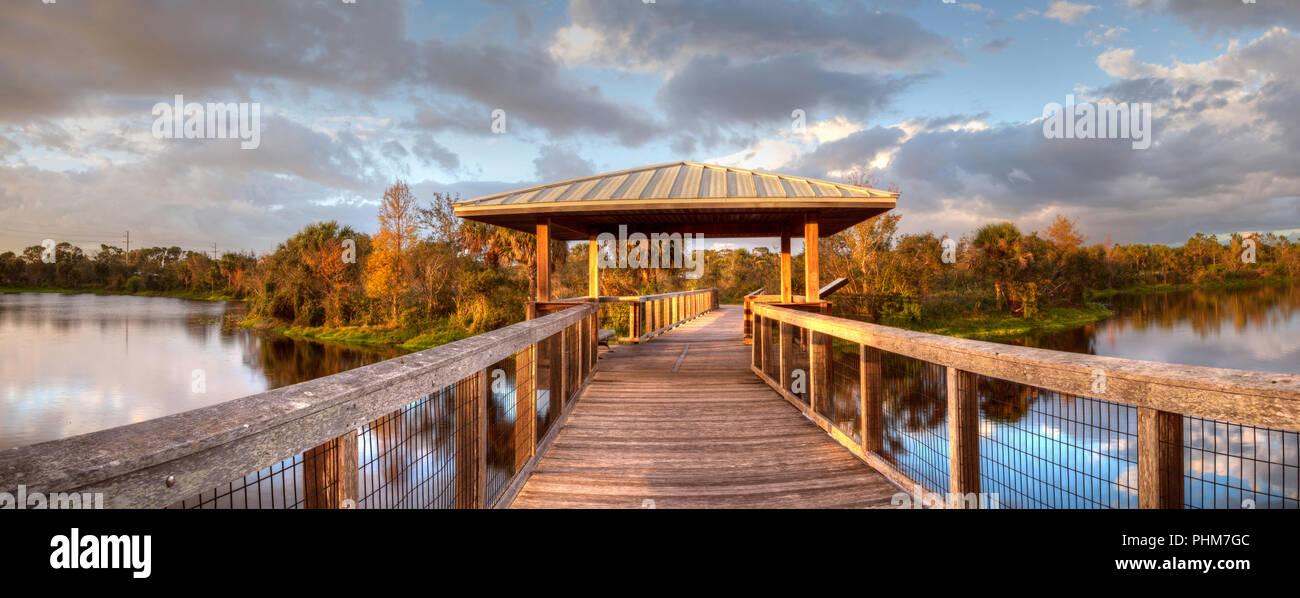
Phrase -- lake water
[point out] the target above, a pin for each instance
(1245, 329)
(71, 364)
(74, 363)
(1044, 449)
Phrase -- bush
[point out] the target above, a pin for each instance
(134, 284)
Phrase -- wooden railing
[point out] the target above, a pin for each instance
(459, 425)
(648, 315)
(1248, 405)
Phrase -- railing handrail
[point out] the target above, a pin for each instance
(1240, 396)
(631, 298)
(158, 462)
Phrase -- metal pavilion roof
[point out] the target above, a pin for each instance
(680, 197)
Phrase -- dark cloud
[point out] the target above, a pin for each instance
(845, 33)
(528, 84)
(847, 153)
(713, 92)
(1218, 15)
(67, 56)
(431, 152)
(557, 163)
(995, 46)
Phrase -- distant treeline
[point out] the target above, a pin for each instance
(427, 268)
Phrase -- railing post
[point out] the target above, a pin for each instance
(871, 403)
(963, 438)
(634, 320)
(525, 404)
(329, 474)
(1160, 459)
(756, 349)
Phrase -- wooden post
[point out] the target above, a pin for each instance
(544, 260)
(756, 349)
(1160, 459)
(811, 263)
(787, 276)
(593, 267)
(329, 474)
(634, 320)
(467, 396)
(871, 400)
(963, 438)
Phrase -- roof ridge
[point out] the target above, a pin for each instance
(870, 192)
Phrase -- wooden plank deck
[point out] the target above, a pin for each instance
(683, 422)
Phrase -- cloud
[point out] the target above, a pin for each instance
(557, 163)
(1103, 35)
(67, 57)
(996, 45)
(1068, 12)
(955, 177)
(1213, 15)
(665, 36)
(431, 152)
(714, 91)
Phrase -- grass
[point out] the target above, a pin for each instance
(1052, 319)
(410, 339)
(1150, 289)
(175, 294)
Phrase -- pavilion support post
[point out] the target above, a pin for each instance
(811, 264)
(1160, 459)
(787, 284)
(593, 267)
(544, 260)
(963, 439)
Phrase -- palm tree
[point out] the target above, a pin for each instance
(1000, 253)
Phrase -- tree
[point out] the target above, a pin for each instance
(1065, 234)
(1000, 254)
(386, 268)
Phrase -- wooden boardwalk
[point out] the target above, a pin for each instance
(682, 422)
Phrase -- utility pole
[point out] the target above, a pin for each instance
(126, 258)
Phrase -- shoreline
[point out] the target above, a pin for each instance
(1004, 326)
(191, 295)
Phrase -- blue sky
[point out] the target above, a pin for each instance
(938, 98)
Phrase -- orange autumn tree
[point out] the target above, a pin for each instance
(386, 277)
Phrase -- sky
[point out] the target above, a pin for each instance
(945, 100)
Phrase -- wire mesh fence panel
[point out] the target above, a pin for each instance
(422, 456)
(796, 379)
(549, 383)
(572, 361)
(844, 407)
(771, 348)
(1232, 466)
(1044, 449)
(914, 422)
(503, 387)
(276, 487)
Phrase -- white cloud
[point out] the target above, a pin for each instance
(1069, 12)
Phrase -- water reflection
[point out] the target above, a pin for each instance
(72, 364)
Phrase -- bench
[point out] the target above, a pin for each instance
(603, 336)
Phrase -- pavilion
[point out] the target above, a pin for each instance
(682, 197)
